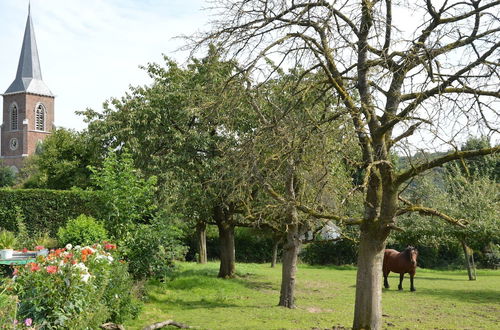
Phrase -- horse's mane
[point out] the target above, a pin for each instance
(407, 252)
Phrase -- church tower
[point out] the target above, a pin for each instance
(28, 106)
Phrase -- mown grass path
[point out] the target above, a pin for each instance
(325, 298)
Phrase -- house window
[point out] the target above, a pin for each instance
(14, 118)
(40, 118)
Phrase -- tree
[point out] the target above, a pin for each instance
(294, 154)
(441, 75)
(128, 195)
(62, 161)
(174, 129)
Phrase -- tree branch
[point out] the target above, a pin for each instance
(402, 177)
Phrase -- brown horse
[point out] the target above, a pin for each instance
(400, 262)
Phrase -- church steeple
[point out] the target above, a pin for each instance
(28, 106)
(29, 75)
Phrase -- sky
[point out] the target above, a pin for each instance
(91, 50)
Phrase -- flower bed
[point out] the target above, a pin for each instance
(76, 288)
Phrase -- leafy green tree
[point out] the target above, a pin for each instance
(62, 161)
(174, 129)
(296, 154)
(7, 176)
(129, 197)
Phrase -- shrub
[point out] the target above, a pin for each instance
(342, 252)
(81, 231)
(46, 210)
(7, 310)
(77, 289)
(7, 239)
(152, 249)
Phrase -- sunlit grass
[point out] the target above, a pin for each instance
(325, 298)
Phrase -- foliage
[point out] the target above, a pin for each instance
(47, 210)
(462, 195)
(76, 289)
(151, 250)
(7, 239)
(22, 235)
(340, 252)
(127, 195)
(175, 130)
(63, 161)
(7, 176)
(83, 230)
(7, 310)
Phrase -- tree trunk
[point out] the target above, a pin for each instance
(368, 306)
(226, 240)
(201, 233)
(470, 265)
(289, 267)
(275, 253)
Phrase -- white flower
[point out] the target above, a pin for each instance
(69, 247)
(110, 259)
(78, 247)
(85, 277)
(82, 267)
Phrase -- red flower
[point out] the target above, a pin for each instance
(109, 246)
(51, 269)
(39, 247)
(34, 266)
(25, 250)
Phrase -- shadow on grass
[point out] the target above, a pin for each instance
(190, 304)
(475, 296)
(329, 267)
(207, 278)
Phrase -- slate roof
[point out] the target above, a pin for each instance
(29, 75)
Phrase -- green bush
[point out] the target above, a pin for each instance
(251, 245)
(342, 252)
(7, 310)
(77, 289)
(81, 231)
(7, 239)
(151, 250)
(47, 210)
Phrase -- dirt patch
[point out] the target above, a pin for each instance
(318, 310)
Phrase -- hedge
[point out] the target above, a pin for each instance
(46, 210)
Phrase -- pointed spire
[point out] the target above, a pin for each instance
(29, 75)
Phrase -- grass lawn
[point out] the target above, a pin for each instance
(324, 297)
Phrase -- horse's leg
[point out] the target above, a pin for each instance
(412, 288)
(401, 276)
(386, 283)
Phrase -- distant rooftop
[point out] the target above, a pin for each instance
(29, 75)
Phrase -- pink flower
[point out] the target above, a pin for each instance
(25, 250)
(28, 322)
(51, 269)
(38, 248)
(34, 266)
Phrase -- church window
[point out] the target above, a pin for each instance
(14, 118)
(40, 117)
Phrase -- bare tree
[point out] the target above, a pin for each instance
(436, 80)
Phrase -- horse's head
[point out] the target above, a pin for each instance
(412, 253)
